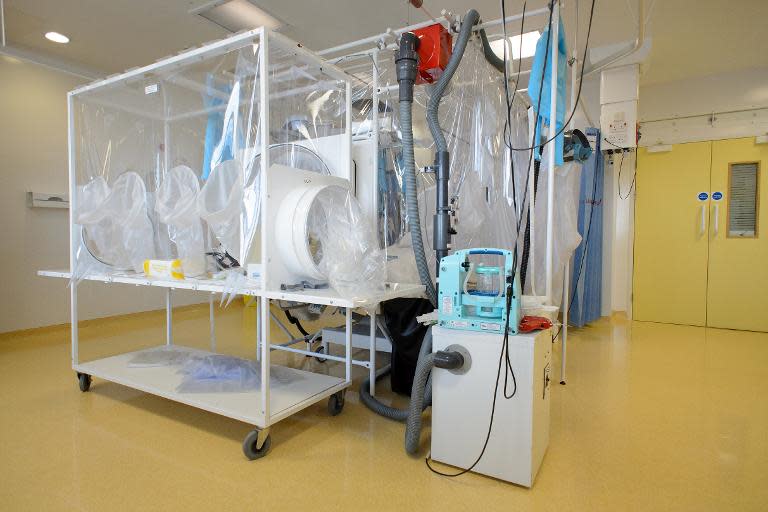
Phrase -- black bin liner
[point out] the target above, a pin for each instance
(407, 335)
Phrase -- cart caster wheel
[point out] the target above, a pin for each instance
(250, 445)
(85, 381)
(320, 350)
(336, 403)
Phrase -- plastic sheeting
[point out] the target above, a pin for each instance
(153, 133)
(566, 235)
(176, 208)
(473, 116)
(347, 248)
(115, 227)
(169, 163)
(216, 373)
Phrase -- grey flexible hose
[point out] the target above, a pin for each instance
(394, 413)
(412, 200)
(469, 21)
(413, 423)
(490, 56)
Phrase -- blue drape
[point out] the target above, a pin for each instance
(586, 277)
(535, 84)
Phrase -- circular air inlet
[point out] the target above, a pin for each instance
(301, 213)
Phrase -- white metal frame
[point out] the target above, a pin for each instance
(263, 296)
(267, 415)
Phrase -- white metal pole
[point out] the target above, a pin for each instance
(168, 317)
(554, 34)
(212, 322)
(348, 345)
(566, 277)
(375, 145)
(73, 231)
(372, 358)
(258, 329)
(564, 328)
(264, 127)
(2, 20)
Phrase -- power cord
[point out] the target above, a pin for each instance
(508, 370)
(621, 167)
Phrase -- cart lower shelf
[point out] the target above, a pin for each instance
(302, 389)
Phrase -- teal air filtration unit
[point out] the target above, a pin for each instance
(473, 296)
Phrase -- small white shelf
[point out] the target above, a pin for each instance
(303, 390)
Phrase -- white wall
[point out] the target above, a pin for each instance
(725, 92)
(618, 234)
(33, 156)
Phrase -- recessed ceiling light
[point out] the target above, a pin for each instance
(56, 37)
(522, 46)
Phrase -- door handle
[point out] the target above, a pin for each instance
(716, 227)
(703, 216)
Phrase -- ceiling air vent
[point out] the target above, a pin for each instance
(236, 15)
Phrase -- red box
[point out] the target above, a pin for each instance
(435, 47)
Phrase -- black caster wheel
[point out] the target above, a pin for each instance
(250, 445)
(336, 403)
(85, 381)
(320, 350)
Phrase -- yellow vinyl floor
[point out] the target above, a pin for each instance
(653, 417)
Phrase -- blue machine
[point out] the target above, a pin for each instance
(474, 297)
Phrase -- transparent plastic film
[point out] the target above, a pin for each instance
(565, 236)
(307, 114)
(487, 187)
(176, 208)
(344, 245)
(146, 147)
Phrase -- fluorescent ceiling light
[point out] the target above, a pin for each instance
(56, 37)
(236, 15)
(521, 46)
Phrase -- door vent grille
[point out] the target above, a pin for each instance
(743, 199)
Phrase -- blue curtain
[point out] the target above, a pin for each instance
(586, 277)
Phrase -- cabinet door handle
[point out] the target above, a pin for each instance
(716, 227)
(703, 227)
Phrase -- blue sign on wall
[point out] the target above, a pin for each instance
(703, 196)
(716, 196)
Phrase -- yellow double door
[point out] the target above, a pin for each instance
(700, 252)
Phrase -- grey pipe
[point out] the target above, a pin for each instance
(394, 413)
(489, 54)
(413, 423)
(412, 200)
(441, 222)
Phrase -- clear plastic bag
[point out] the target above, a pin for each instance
(218, 373)
(115, 224)
(220, 202)
(348, 252)
(176, 207)
(159, 356)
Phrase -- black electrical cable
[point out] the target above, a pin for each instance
(295, 321)
(621, 166)
(504, 351)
